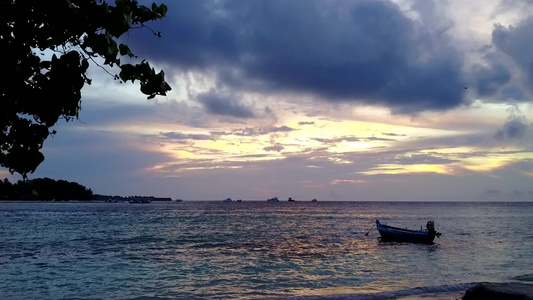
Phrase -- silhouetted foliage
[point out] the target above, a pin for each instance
(6, 190)
(44, 189)
(47, 47)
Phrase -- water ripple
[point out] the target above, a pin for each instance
(253, 250)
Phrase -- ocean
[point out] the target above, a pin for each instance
(257, 250)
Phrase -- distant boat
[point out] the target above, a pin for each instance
(395, 234)
(291, 200)
(179, 200)
(239, 200)
(227, 200)
(275, 199)
(314, 200)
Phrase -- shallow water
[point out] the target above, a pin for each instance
(215, 250)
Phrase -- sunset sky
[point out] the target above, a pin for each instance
(334, 100)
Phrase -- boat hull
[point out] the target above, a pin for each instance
(394, 234)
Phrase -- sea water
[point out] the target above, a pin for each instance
(256, 250)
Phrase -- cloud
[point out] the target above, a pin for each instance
(422, 159)
(490, 79)
(513, 93)
(289, 89)
(181, 136)
(350, 139)
(102, 110)
(365, 51)
(512, 129)
(224, 105)
(516, 42)
(337, 140)
(516, 6)
(107, 162)
(261, 131)
(515, 127)
(348, 181)
(373, 138)
(393, 134)
(276, 148)
(214, 135)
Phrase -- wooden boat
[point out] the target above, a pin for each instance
(395, 234)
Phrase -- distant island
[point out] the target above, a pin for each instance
(47, 189)
(109, 198)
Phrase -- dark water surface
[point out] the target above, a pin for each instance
(247, 250)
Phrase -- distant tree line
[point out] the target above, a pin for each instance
(110, 198)
(44, 189)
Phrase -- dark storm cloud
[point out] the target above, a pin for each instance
(516, 42)
(513, 93)
(490, 79)
(366, 51)
(227, 106)
(514, 128)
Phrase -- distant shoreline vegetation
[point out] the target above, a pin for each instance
(47, 189)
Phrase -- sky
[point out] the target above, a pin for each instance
(364, 100)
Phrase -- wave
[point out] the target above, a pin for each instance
(525, 277)
(431, 291)
(418, 291)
